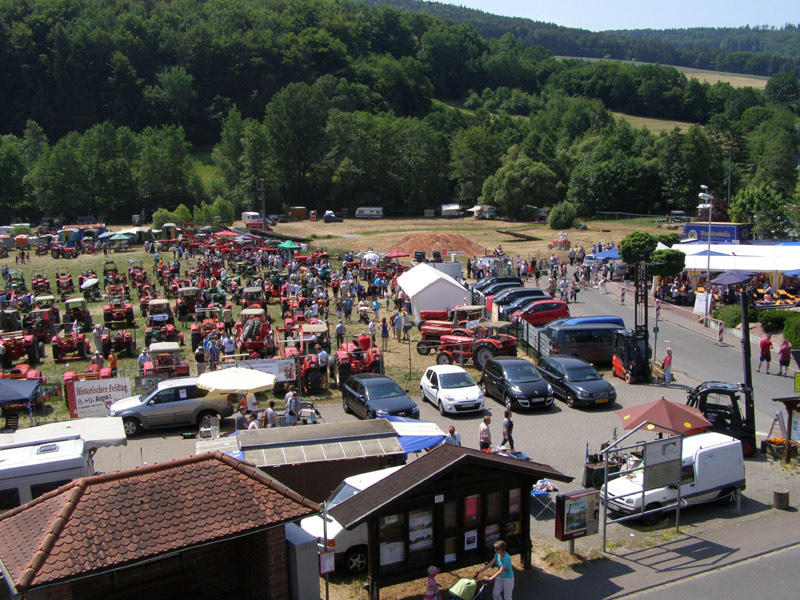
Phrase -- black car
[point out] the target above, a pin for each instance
(516, 383)
(508, 297)
(487, 281)
(576, 381)
(496, 288)
(371, 396)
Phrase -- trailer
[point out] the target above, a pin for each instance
(721, 233)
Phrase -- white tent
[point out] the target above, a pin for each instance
(430, 289)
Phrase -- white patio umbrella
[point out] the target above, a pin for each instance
(236, 380)
(89, 283)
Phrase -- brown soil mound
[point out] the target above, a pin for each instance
(437, 241)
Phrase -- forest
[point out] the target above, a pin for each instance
(337, 104)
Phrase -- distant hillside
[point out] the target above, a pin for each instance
(712, 49)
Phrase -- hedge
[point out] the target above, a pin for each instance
(791, 330)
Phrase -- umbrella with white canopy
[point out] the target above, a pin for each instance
(236, 380)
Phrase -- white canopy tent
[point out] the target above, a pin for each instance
(429, 289)
(772, 260)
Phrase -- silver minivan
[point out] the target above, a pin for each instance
(169, 403)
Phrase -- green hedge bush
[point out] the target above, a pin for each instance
(730, 314)
(773, 320)
(791, 329)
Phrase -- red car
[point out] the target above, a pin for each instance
(541, 312)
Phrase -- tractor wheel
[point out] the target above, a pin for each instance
(82, 350)
(42, 350)
(628, 377)
(343, 375)
(106, 350)
(131, 348)
(424, 347)
(56, 355)
(33, 352)
(55, 253)
(87, 322)
(443, 358)
(375, 367)
(314, 380)
(129, 318)
(483, 351)
(195, 341)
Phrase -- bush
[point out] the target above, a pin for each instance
(562, 215)
(731, 315)
(791, 329)
(774, 320)
(161, 216)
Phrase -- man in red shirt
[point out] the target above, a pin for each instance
(784, 356)
(766, 349)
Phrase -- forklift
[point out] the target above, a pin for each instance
(721, 402)
(632, 352)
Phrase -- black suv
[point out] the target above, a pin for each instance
(371, 396)
(576, 381)
(516, 383)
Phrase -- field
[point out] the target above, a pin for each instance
(735, 79)
(654, 125)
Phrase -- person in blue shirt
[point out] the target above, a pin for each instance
(504, 578)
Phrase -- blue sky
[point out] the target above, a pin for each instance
(598, 15)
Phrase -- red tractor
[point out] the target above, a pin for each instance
(91, 372)
(431, 331)
(207, 321)
(85, 276)
(253, 332)
(110, 272)
(120, 341)
(165, 359)
(17, 345)
(254, 296)
(137, 274)
(479, 344)
(75, 309)
(302, 349)
(146, 294)
(62, 251)
(42, 324)
(188, 297)
(70, 343)
(23, 371)
(64, 282)
(39, 282)
(158, 328)
(358, 356)
(161, 306)
(117, 311)
(174, 284)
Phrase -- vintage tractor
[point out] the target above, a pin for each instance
(173, 284)
(560, 243)
(17, 345)
(206, 321)
(62, 251)
(188, 297)
(161, 306)
(352, 358)
(39, 282)
(76, 309)
(16, 282)
(479, 344)
(110, 272)
(462, 317)
(43, 248)
(254, 296)
(70, 343)
(92, 372)
(86, 275)
(23, 371)
(42, 325)
(120, 341)
(253, 332)
(137, 274)
(165, 360)
(302, 350)
(48, 302)
(146, 295)
(118, 312)
(64, 282)
(158, 328)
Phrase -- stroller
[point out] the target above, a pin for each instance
(466, 589)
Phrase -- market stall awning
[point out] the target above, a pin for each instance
(18, 391)
(663, 416)
(122, 237)
(611, 254)
(733, 277)
(288, 245)
(236, 380)
(415, 435)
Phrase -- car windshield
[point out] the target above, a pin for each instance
(455, 380)
(586, 373)
(384, 389)
(522, 373)
(342, 493)
(148, 394)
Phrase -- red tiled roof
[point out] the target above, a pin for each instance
(100, 522)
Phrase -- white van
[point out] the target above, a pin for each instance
(712, 469)
(28, 470)
(369, 212)
(350, 546)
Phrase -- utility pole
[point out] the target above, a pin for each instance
(261, 192)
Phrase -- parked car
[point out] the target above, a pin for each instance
(451, 390)
(170, 403)
(498, 287)
(506, 297)
(593, 342)
(516, 383)
(487, 281)
(371, 396)
(576, 381)
(541, 312)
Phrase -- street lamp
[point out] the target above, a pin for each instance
(704, 195)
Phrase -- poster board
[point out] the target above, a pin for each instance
(93, 397)
(577, 514)
(282, 369)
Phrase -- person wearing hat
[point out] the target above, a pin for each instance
(98, 360)
(432, 586)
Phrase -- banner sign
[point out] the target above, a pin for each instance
(283, 369)
(92, 398)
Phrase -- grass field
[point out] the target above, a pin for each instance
(737, 80)
(654, 125)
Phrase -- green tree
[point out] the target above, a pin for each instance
(519, 183)
(182, 214)
(173, 98)
(162, 216)
(562, 216)
(223, 211)
(12, 176)
(227, 154)
(666, 263)
(475, 155)
(762, 206)
(638, 245)
(783, 88)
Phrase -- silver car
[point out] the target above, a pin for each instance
(169, 403)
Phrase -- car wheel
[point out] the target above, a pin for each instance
(132, 426)
(725, 497)
(652, 518)
(571, 400)
(370, 415)
(204, 418)
(345, 406)
(509, 402)
(355, 561)
(484, 390)
(442, 411)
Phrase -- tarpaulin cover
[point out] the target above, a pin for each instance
(415, 435)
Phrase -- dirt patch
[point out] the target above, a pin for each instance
(437, 241)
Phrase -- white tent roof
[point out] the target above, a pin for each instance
(421, 276)
(727, 257)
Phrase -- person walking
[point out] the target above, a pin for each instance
(784, 356)
(765, 347)
(508, 431)
(241, 421)
(484, 434)
(667, 364)
(504, 578)
(269, 420)
(452, 437)
(384, 335)
(292, 406)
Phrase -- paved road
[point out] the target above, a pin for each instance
(772, 574)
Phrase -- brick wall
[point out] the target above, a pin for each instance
(266, 576)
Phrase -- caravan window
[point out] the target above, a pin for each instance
(43, 488)
(9, 499)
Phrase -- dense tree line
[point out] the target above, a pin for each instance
(335, 104)
(754, 51)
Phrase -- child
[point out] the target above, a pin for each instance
(432, 589)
